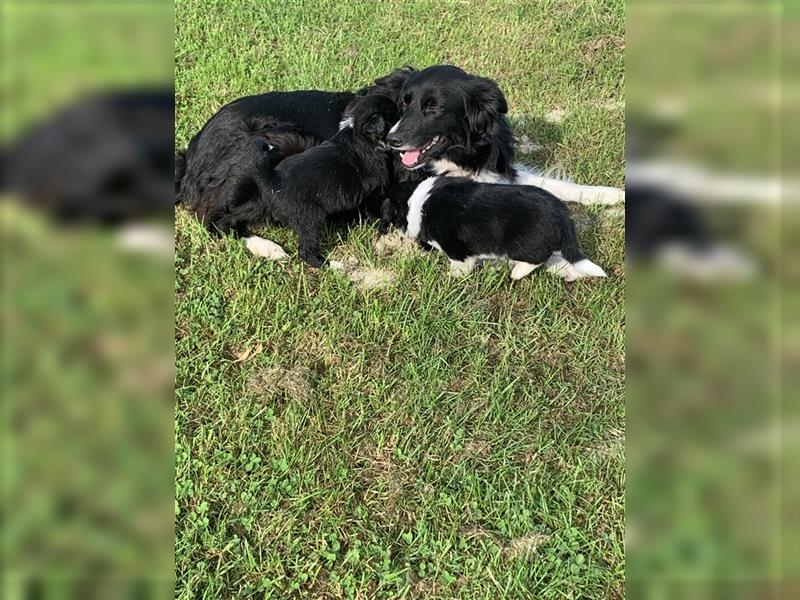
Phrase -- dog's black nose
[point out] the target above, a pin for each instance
(393, 139)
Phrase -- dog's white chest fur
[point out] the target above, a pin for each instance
(444, 166)
(415, 204)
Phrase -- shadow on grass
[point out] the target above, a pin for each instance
(536, 140)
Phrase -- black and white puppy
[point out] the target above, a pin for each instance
(470, 221)
(336, 176)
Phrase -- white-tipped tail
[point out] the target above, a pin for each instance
(568, 271)
(585, 268)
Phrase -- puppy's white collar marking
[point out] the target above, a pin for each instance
(415, 204)
(451, 169)
(345, 123)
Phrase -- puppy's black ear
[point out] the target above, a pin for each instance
(391, 84)
(484, 103)
(374, 126)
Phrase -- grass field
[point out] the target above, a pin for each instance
(394, 432)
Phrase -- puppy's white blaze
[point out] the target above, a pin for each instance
(415, 204)
(395, 126)
(586, 268)
(345, 123)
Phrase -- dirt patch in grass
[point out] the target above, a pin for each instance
(525, 546)
(426, 588)
(293, 384)
(364, 278)
(478, 448)
(394, 243)
(613, 447)
(598, 44)
(385, 481)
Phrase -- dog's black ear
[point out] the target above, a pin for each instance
(391, 84)
(373, 125)
(484, 103)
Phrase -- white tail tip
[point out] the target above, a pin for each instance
(585, 268)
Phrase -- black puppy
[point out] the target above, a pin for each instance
(470, 221)
(336, 176)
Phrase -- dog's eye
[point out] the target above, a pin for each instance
(406, 100)
(429, 105)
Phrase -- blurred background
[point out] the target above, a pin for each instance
(87, 327)
(712, 494)
(713, 434)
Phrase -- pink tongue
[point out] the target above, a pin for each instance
(410, 158)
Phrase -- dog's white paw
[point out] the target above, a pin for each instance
(459, 268)
(265, 248)
(520, 269)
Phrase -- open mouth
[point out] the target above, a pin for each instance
(411, 158)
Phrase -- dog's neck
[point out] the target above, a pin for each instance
(488, 158)
(447, 168)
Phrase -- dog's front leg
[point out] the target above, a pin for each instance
(309, 240)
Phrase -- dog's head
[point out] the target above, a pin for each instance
(444, 109)
(372, 116)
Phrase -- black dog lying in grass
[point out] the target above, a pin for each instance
(336, 176)
(220, 176)
(471, 221)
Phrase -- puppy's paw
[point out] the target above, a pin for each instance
(460, 268)
(520, 269)
(265, 248)
(313, 259)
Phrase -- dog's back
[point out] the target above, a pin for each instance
(330, 175)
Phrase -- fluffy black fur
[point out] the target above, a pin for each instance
(336, 176)
(227, 190)
(468, 221)
(218, 176)
(447, 114)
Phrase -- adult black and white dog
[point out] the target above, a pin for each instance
(455, 123)
(470, 221)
